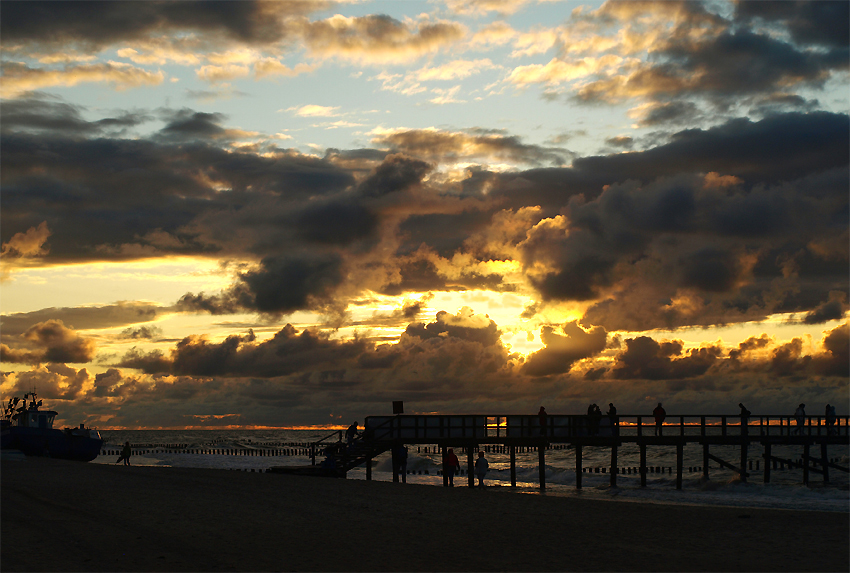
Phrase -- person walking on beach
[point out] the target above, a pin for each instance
(481, 467)
(450, 467)
(126, 452)
(659, 414)
(542, 420)
(800, 417)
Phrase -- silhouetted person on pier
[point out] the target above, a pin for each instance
(745, 418)
(481, 467)
(126, 452)
(542, 419)
(450, 467)
(830, 419)
(800, 417)
(351, 433)
(400, 462)
(659, 414)
(612, 416)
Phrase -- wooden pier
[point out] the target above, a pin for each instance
(470, 432)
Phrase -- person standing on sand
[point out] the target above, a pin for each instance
(481, 467)
(542, 420)
(399, 453)
(659, 414)
(450, 466)
(126, 452)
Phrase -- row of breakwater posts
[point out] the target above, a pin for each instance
(469, 433)
(269, 449)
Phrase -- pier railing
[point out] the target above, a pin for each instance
(421, 428)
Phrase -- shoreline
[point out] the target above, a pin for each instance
(94, 517)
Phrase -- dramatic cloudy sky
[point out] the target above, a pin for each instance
(276, 214)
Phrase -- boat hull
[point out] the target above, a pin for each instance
(51, 442)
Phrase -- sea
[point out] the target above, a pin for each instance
(239, 450)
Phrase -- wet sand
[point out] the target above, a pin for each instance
(68, 516)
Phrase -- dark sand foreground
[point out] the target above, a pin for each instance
(68, 516)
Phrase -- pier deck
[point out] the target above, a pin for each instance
(578, 431)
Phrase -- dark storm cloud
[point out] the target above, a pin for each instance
(833, 309)
(789, 360)
(561, 351)
(336, 223)
(98, 24)
(396, 173)
(83, 318)
(188, 124)
(821, 22)
(645, 358)
(780, 147)
(140, 333)
(49, 341)
(724, 64)
(443, 232)
(41, 113)
(454, 147)
(457, 326)
(154, 197)
(287, 284)
(287, 353)
(673, 112)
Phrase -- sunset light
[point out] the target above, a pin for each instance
(290, 214)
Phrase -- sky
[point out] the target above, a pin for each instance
(275, 214)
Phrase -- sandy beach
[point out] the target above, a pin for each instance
(67, 516)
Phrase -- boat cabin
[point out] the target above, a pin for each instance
(36, 419)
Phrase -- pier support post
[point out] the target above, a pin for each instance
(578, 466)
(445, 475)
(541, 460)
(642, 465)
(745, 445)
(680, 451)
(705, 460)
(767, 461)
(513, 465)
(806, 463)
(614, 465)
(369, 471)
(824, 462)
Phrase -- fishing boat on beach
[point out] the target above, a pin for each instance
(26, 428)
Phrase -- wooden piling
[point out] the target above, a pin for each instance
(767, 462)
(614, 465)
(642, 465)
(578, 466)
(824, 462)
(541, 460)
(680, 447)
(513, 465)
(806, 463)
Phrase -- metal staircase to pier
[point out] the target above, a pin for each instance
(336, 457)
